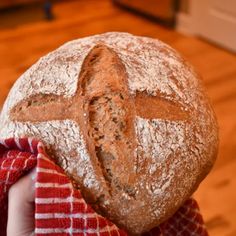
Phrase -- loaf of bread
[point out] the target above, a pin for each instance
(127, 119)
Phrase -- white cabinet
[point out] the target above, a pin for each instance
(214, 20)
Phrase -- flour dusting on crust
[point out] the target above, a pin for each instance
(168, 163)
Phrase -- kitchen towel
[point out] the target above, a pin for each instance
(60, 209)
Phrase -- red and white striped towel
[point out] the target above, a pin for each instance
(61, 209)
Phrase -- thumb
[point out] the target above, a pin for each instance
(21, 206)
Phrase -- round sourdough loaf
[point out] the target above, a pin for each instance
(126, 117)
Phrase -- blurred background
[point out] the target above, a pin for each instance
(203, 31)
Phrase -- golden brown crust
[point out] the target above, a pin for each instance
(148, 151)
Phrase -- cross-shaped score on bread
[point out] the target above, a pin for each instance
(105, 111)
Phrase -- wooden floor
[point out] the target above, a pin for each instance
(23, 41)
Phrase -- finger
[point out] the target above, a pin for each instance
(21, 207)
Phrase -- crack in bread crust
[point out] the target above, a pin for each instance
(104, 87)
